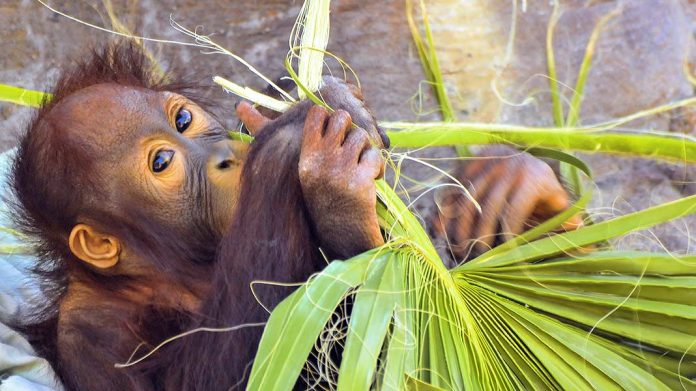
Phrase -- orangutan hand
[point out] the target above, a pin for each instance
(515, 190)
(338, 167)
(338, 164)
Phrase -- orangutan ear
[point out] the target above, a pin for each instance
(99, 250)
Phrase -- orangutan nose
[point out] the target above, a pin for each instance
(223, 156)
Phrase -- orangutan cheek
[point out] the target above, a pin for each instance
(225, 191)
(240, 150)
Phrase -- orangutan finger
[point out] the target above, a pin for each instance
(554, 201)
(553, 198)
(521, 206)
(356, 91)
(338, 127)
(484, 164)
(314, 125)
(371, 158)
(494, 204)
(473, 168)
(572, 223)
(251, 118)
(454, 210)
(464, 215)
(460, 207)
(356, 141)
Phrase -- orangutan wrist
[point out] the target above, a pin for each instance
(342, 237)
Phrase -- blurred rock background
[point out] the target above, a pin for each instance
(492, 54)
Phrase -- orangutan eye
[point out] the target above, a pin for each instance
(183, 120)
(162, 159)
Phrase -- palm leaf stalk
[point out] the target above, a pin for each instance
(568, 172)
(425, 45)
(663, 147)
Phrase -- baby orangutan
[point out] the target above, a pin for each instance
(149, 220)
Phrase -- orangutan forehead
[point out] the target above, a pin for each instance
(108, 115)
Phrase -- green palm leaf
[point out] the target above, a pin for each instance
(419, 135)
